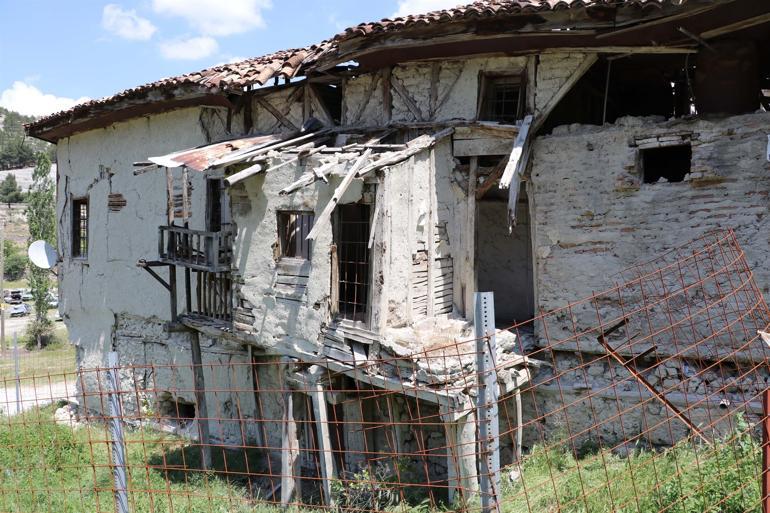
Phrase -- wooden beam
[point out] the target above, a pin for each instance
(338, 193)
(264, 103)
(201, 410)
(387, 98)
(325, 456)
(734, 27)
(375, 79)
(495, 175)
(481, 147)
(290, 471)
(414, 147)
(435, 71)
(319, 107)
(542, 114)
(398, 86)
(512, 166)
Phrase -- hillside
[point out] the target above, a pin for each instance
(16, 150)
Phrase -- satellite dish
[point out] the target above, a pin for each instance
(42, 254)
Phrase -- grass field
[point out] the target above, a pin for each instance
(47, 467)
(54, 360)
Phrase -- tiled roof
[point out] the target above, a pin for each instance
(488, 9)
(254, 71)
(288, 63)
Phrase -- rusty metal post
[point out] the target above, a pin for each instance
(766, 451)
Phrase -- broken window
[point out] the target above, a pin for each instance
(293, 228)
(217, 205)
(502, 99)
(352, 240)
(80, 227)
(669, 163)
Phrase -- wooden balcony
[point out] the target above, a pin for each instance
(196, 249)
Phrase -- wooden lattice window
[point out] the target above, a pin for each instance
(293, 228)
(502, 99)
(80, 227)
(353, 261)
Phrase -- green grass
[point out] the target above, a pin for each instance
(54, 360)
(21, 283)
(46, 467)
(688, 478)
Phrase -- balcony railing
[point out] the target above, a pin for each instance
(196, 249)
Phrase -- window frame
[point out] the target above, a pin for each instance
(79, 236)
(488, 82)
(305, 251)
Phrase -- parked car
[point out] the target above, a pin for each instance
(26, 295)
(14, 297)
(19, 310)
(52, 300)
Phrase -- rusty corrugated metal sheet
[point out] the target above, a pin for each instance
(201, 158)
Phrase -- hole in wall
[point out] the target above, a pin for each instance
(669, 163)
(176, 409)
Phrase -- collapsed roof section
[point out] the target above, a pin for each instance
(490, 27)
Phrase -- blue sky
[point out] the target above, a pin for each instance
(54, 53)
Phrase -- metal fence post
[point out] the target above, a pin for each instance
(766, 451)
(17, 373)
(116, 434)
(486, 402)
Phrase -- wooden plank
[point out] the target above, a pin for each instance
(734, 27)
(290, 471)
(292, 280)
(512, 165)
(414, 147)
(338, 193)
(496, 174)
(481, 147)
(334, 295)
(201, 409)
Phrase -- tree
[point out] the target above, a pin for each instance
(10, 190)
(41, 217)
(15, 261)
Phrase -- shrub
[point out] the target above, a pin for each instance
(45, 332)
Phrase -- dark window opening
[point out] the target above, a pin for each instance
(670, 163)
(175, 409)
(353, 261)
(502, 99)
(218, 208)
(80, 227)
(293, 228)
(331, 97)
(639, 85)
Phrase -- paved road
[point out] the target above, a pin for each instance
(41, 393)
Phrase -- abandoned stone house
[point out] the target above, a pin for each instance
(345, 201)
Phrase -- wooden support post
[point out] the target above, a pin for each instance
(325, 456)
(462, 474)
(355, 441)
(172, 291)
(290, 471)
(201, 410)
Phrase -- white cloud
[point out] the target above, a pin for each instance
(31, 101)
(216, 17)
(126, 23)
(189, 49)
(407, 7)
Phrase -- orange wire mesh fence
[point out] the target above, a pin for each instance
(646, 397)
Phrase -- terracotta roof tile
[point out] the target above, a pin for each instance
(486, 9)
(288, 63)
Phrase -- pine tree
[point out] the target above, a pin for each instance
(10, 191)
(41, 217)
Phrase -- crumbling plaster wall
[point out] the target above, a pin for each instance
(256, 203)
(107, 291)
(459, 78)
(553, 70)
(593, 213)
